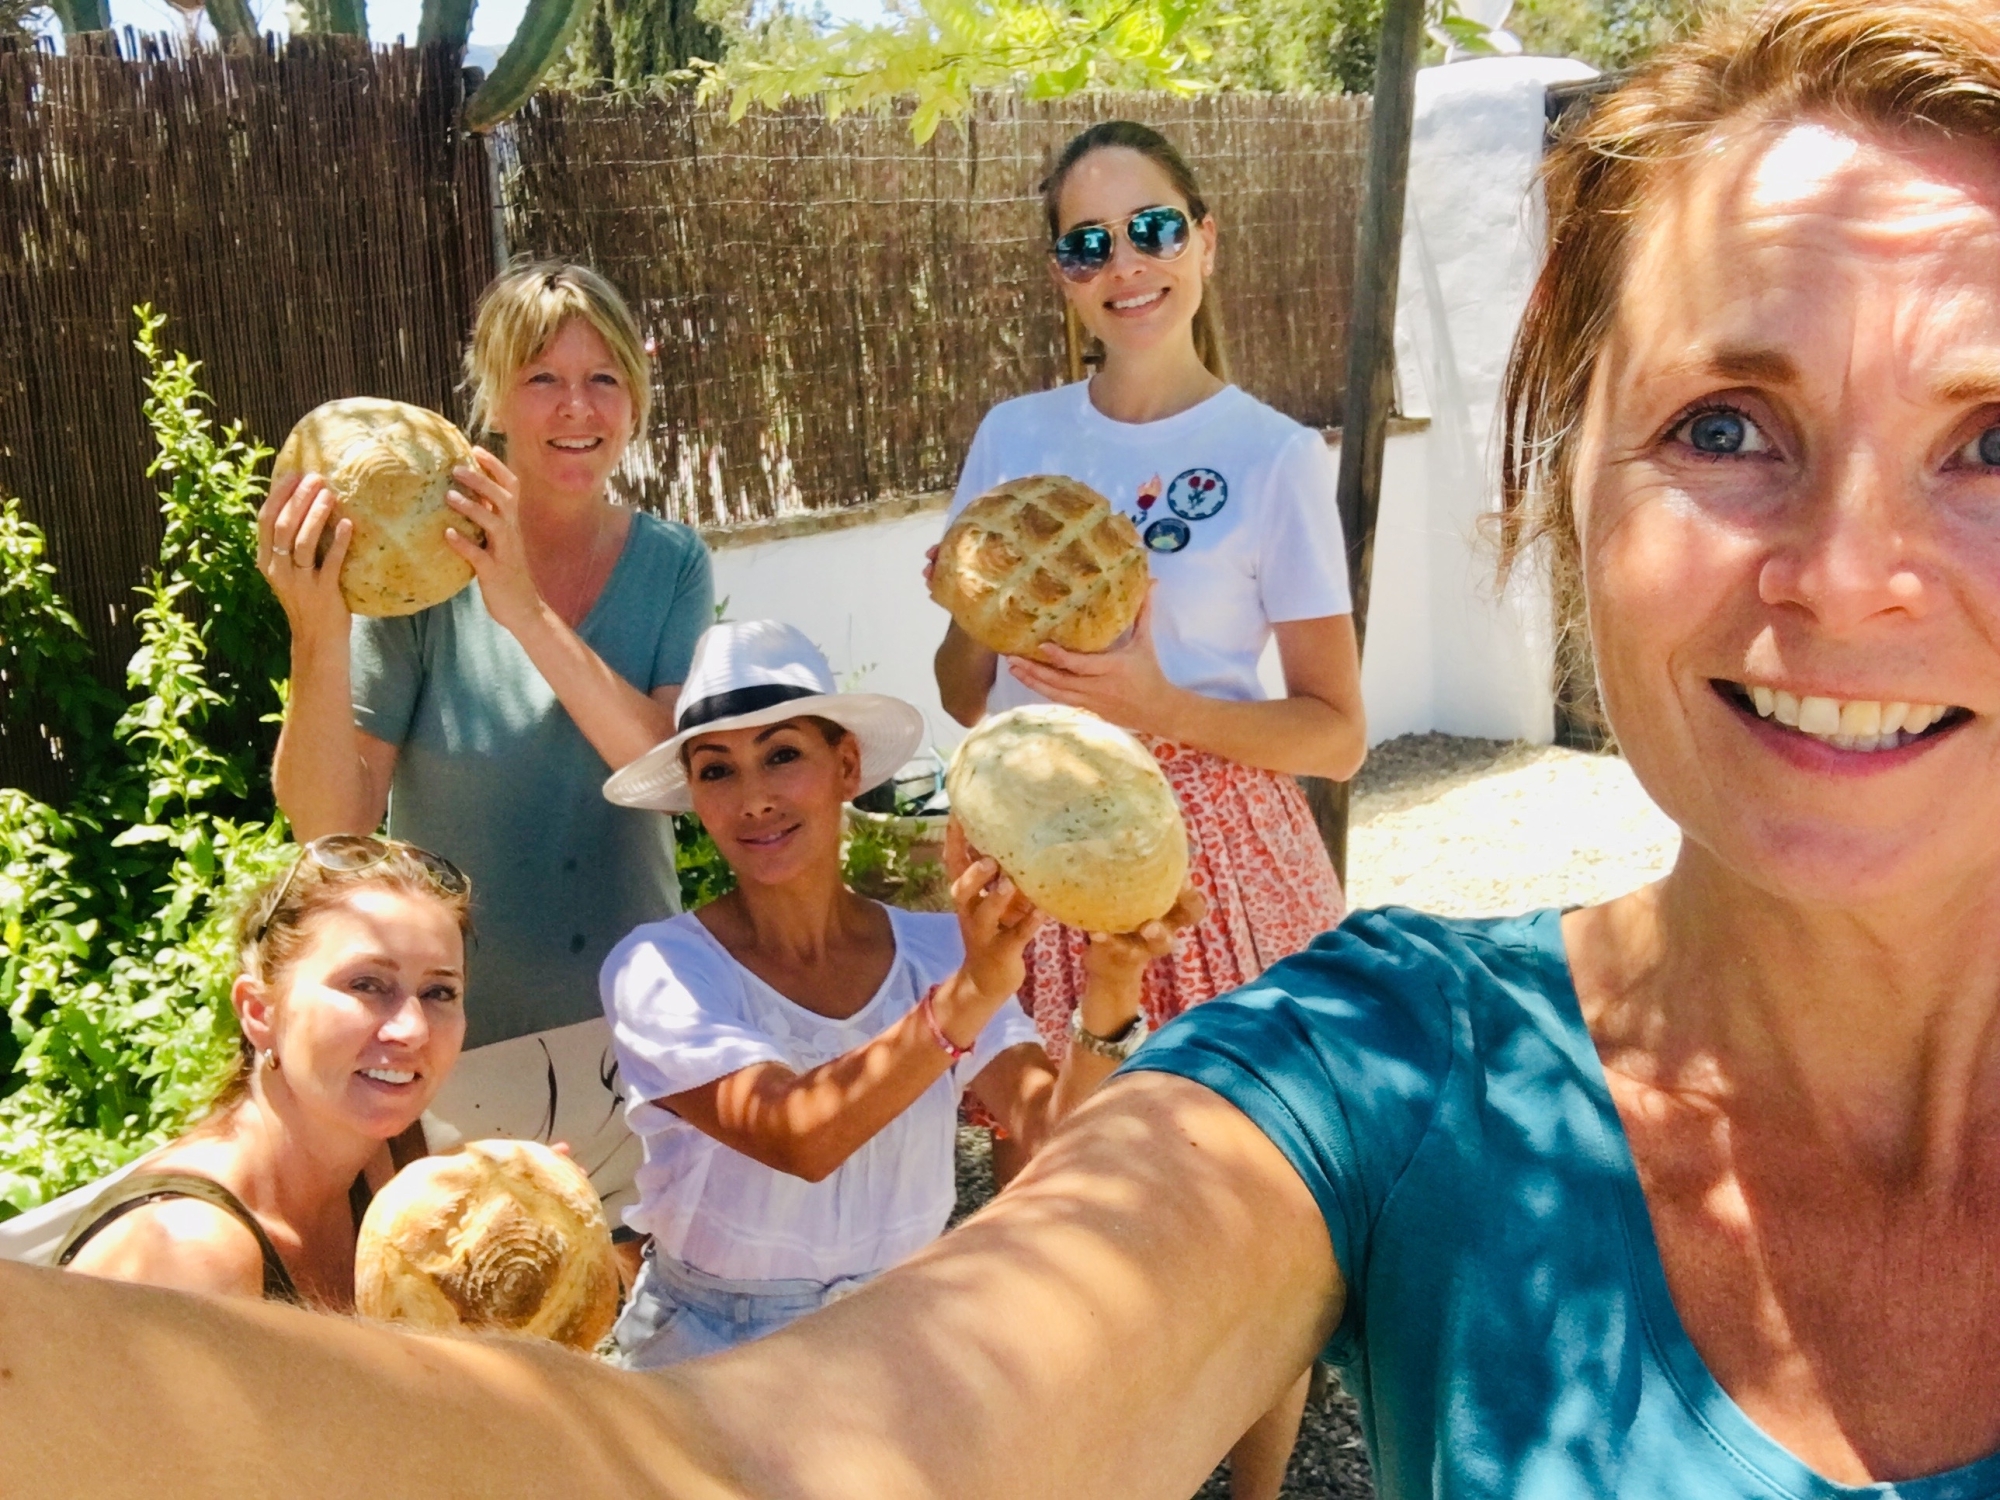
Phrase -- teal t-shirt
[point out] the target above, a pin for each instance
(493, 774)
(1508, 1330)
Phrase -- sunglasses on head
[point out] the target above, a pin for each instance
(344, 853)
(1161, 233)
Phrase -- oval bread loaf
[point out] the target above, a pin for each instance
(1041, 559)
(391, 464)
(1076, 811)
(499, 1236)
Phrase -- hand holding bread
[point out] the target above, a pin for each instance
(1076, 811)
(388, 466)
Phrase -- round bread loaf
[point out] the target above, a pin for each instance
(391, 465)
(1076, 811)
(1041, 559)
(499, 1236)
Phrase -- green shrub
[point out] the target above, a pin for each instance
(115, 956)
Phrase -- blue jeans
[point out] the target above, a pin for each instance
(676, 1312)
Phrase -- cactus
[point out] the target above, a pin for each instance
(232, 20)
(82, 15)
(448, 21)
(332, 17)
(544, 34)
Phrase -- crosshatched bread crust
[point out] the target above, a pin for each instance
(391, 464)
(1076, 811)
(1041, 559)
(500, 1237)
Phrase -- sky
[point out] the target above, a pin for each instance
(493, 21)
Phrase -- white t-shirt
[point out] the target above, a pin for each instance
(684, 1013)
(1236, 503)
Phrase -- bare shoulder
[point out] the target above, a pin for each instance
(181, 1243)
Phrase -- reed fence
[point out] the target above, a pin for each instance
(832, 306)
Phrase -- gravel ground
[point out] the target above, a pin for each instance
(1466, 827)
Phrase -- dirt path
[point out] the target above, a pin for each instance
(1469, 828)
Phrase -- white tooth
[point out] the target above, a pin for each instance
(1843, 742)
(1920, 717)
(1765, 700)
(1785, 707)
(1861, 719)
(1819, 716)
(1893, 715)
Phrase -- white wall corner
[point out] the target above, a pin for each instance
(1472, 242)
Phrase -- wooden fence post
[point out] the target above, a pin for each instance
(1371, 345)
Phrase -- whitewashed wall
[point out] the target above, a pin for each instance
(1446, 650)
(1479, 662)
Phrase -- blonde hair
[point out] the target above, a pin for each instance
(523, 310)
(1130, 135)
(1893, 65)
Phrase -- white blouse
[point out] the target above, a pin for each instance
(684, 1013)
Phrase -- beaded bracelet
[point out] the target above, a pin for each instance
(951, 1048)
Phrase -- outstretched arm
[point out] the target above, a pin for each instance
(1105, 1330)
(808, 1123)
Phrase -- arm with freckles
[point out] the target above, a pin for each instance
(1318, 728)
(807, 1124)
(621, 722)
(1105, 1330)
(328, 775)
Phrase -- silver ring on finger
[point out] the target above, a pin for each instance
(281, 552)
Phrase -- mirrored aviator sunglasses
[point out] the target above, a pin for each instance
(345, 853)
(1160, 233)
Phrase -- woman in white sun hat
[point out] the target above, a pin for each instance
(794, 1052)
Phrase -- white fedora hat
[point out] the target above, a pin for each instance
(756, 672)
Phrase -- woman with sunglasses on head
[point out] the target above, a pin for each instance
(1236, 505)
(349, 1002)
(484, 726)
(797, 1052)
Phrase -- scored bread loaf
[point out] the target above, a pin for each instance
(499, 1236)
(390, 464)
(1041, 559)
(1076, 811)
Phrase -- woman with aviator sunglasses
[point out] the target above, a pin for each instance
(1236, 505)
(349, 1003)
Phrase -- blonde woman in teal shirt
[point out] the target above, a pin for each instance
(485, 726)
(1693, 1195)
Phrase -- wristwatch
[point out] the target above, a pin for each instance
(1120, 1045)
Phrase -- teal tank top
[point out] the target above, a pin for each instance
(1508, 1330)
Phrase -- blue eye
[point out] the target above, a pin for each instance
(1718, 432)
(1982, 452)
(1721, 432)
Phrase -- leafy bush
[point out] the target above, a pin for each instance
(115, 949)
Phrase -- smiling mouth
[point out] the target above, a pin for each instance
(1138, 301)
(767, 840)
(395, 1077)
(1858, 724)
(576, 445)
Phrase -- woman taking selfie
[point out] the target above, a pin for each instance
(1692, 1194)
(485, 725)
(803, 1048)
(1236, 506)
(350, 1006)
